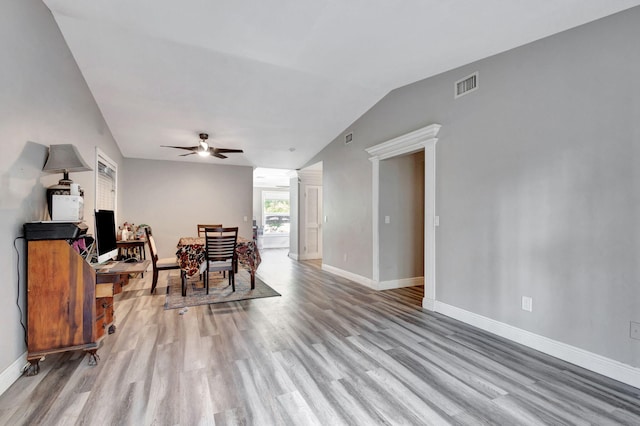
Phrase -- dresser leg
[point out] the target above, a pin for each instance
(93, 357)
(34, 367)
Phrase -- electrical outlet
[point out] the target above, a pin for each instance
(345, 257)
(527, 304)
(634, 331)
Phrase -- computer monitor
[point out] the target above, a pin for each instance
(106, 235)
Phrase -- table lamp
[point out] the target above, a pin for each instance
(63, 158)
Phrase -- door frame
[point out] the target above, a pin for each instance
(417, 140)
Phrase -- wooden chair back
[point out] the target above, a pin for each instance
(153, 252)
(220, 244)
(158, 264)
(201, 228)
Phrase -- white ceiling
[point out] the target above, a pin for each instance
(280, 79)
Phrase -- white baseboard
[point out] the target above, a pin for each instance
(348, 275)
(404, 282)
(293, 256)
(429, 304)
(375, 285)
(12, 373)
(309, 256)
(607, 367)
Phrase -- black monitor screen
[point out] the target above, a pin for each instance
(106, 235)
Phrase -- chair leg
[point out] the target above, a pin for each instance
(206, 280)
(183, 281)
(232, 277)
(154, 282)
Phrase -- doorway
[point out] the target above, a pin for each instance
(310, 212)
(422, 139)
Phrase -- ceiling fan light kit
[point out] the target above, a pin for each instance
(203, 149)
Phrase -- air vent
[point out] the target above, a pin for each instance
(348, 138)
(466, 85)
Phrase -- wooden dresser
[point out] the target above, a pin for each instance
(65, 309)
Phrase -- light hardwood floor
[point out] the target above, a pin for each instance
(328, 352)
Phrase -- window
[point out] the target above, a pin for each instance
(275, 212)
(106, 182)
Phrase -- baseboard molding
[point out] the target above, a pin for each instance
(309, 256)
(294, 256)
(404, 282)
(375, 285)
(348, 275)
(12, 373)
(607, 367)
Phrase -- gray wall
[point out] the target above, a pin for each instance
(44, 100)
(402, 199)
(173, 197)
(537, 188)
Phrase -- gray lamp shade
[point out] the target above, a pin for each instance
(63, 158)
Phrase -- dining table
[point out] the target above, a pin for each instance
(191, 256)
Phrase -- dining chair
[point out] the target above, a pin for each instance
(220, 253)
(201, 228)
(164, 264)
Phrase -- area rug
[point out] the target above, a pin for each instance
(219, 290)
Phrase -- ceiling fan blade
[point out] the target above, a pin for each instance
(188, 148)
(215, 154)
(225, 150)
(189, 153)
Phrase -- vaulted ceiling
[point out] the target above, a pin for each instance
(280, 79)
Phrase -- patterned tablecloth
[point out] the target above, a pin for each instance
(190, 255)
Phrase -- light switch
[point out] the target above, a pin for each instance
(387, 219)
(245, 218)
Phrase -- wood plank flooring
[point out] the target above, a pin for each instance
(328, 352)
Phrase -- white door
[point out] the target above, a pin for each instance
(313, 222)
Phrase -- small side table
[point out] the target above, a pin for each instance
(131, 248)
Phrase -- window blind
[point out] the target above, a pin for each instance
(106, 187)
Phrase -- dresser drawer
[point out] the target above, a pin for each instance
(103, 305)
(101, 327)
(104, 290)
(104, 315)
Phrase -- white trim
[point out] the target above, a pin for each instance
(375, 216)
(580, 357)
(372, 284)
(13, 372)
(430, 222)
(405, 144)
(359, 279)
(401, 283)
(312, 177)
(307, 256)
(293, 256)
(421, 139)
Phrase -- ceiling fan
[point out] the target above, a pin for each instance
(204, 149)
